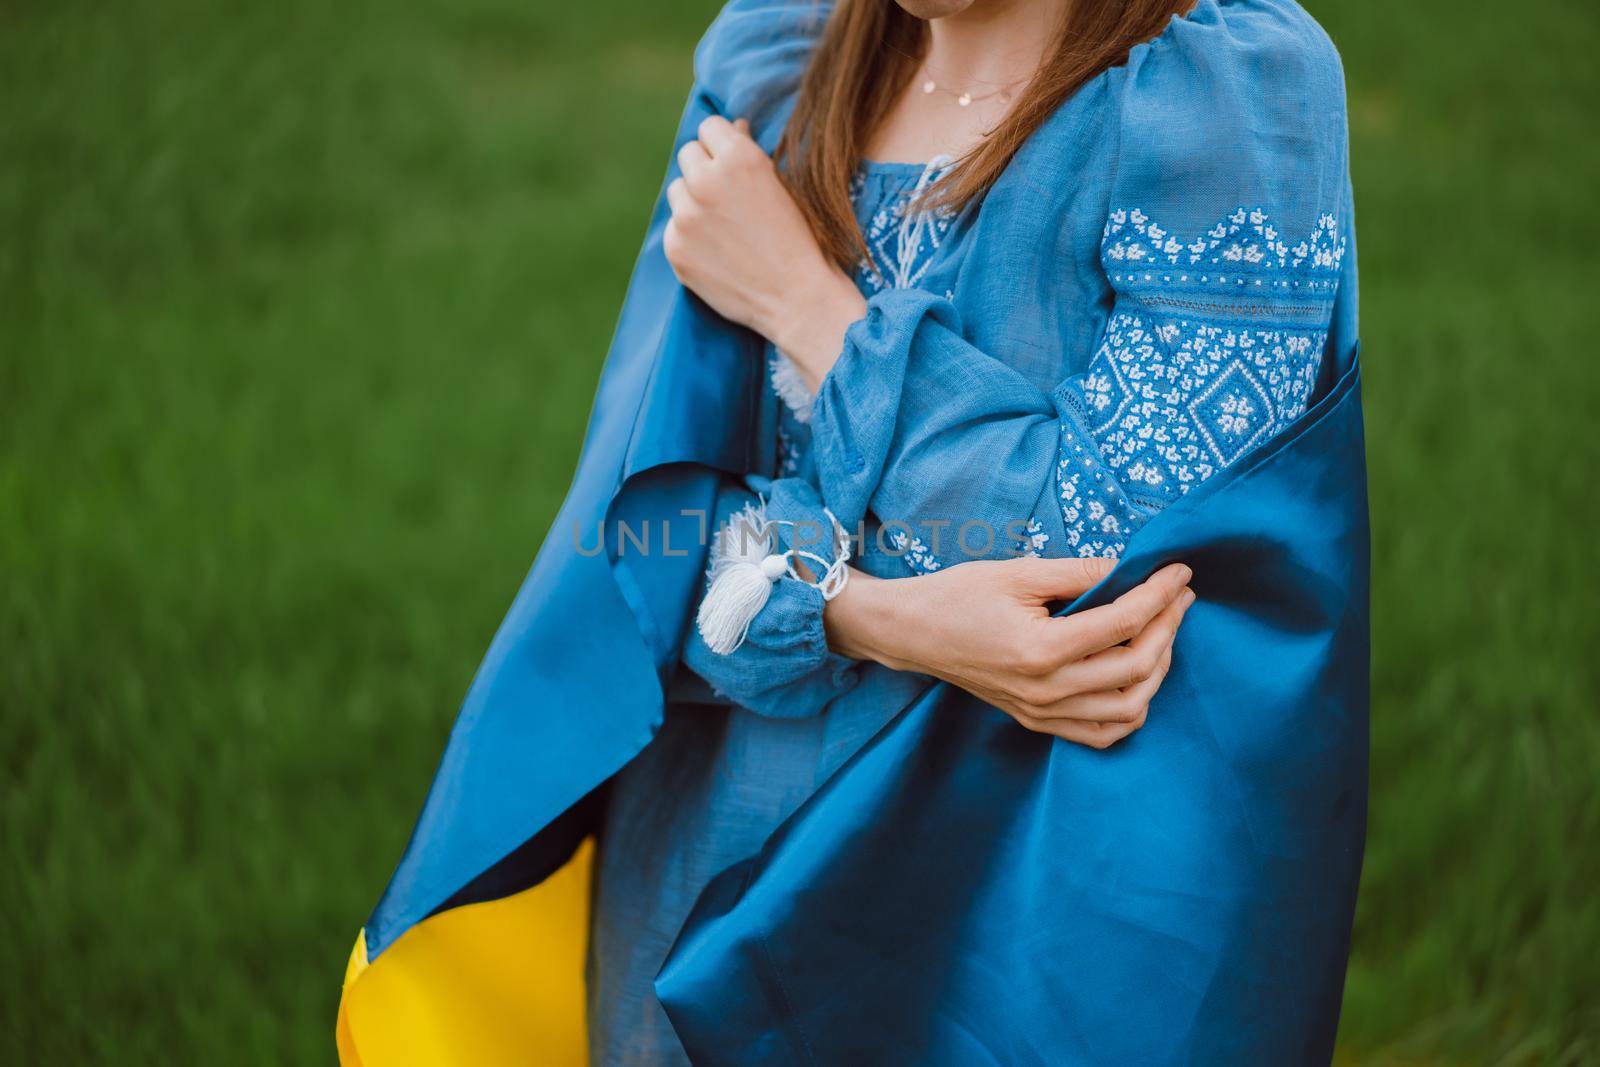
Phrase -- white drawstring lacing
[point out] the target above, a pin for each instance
(915, 222)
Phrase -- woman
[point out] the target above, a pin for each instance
(997, 305)
(848, 266)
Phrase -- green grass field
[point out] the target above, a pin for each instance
(301, 309)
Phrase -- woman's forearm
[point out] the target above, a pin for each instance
(866, 610)
(811, 325)
(987, 627)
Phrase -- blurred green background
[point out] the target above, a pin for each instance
(301, 309)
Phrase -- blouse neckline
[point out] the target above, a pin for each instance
(895, 169)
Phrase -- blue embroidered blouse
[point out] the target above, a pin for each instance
(1001, 399)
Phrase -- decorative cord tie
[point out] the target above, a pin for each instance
(914, 223)
(745, 564)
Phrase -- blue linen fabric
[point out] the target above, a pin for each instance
(784, 668)
(1224, 232)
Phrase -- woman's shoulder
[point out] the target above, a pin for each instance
(753, 55)
(1240, 103)
(1232, 52)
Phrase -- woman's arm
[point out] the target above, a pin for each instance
(1060, 676)
(1212, 346)
(779, 663)
(986, 627)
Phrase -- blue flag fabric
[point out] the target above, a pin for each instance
(965, 892)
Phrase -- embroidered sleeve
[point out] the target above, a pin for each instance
(1212, 348)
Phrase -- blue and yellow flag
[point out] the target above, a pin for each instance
(962, 891)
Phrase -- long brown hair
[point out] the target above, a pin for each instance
(867, 54)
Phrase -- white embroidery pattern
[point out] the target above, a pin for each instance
(1171, 400)
(1098, 516)
(1174, 403)
(788, 453)
(901, 239)
(912, 550)
(901, 242)
(1245, 239)
(1032, 541)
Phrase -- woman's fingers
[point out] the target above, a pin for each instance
(1108, 706)
(1097, 735)
(1096, 629)
(1122, 665)
(692, 160)
(678, 197)
(1061, 578)
(719, 136)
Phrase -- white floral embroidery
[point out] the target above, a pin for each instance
(1098, 515)
(1245, 238)
(1169, 414)
(913, 551)
(788, 453)
(1033, 540)
(1190, 377)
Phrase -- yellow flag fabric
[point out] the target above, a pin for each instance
(487, 985)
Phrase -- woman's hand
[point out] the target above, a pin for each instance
(985, 626)
(737, 239)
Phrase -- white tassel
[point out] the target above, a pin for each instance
(791, 387)
(743, 570)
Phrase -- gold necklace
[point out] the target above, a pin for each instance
(965, 97)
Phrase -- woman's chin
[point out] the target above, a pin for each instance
(928, 10)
